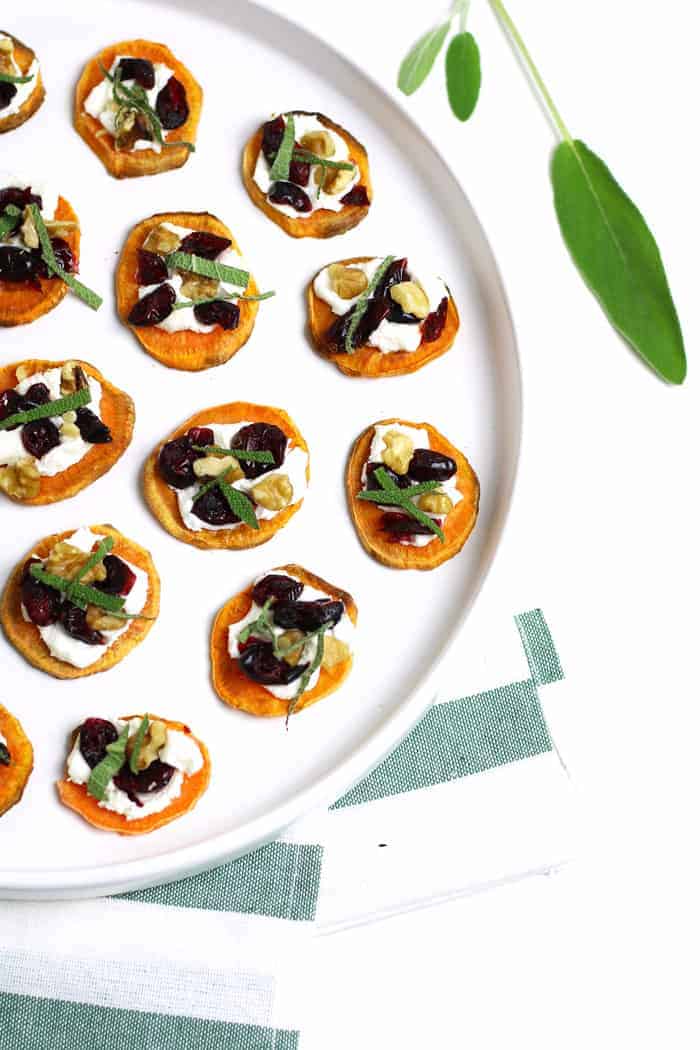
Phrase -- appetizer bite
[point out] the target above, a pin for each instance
(39, 251)
(283, 643)
(231, 476)
(413, 496)
(138, 108)
(134, 774)
(21, 86)
(80, 601)
(183, 289)
(62, 426)
(380, 317)
(16, 760)
(308, 175)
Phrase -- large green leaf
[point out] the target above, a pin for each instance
(463, 72)
(420, 59)
(617, 256)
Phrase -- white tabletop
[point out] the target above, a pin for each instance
(604, 536)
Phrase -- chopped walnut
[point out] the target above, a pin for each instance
(274, 492)
(334, 652)
(335, 180)
(156, 738)
(69, 428)
(398, 451)
(65, 560)
(318, 142)
(194, 286)
(212, 466)
(161, 241)
(411, 298)
(289, 638)
(99, 620)
(131, 125)
(21, 479)
(347, 281)
(7, 65)
(435, 502)
(72, 378)
(28, 230)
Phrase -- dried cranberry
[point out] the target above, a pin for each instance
(38, 394)
(434, 323)
(288, 193)
(219, 312)
(372, 484)
(154, 778)
(272, 133)
(395, 274)
(171, 105)
(299, 172)
(213, 508)
(206, 245)
(95, 735)
(259, 662)
(260, 437)
(427, 465)
(91, 427)
(42, 603)
(138, 69)
(377, 310)
(307, 616)
(10, 405)
(7, 93)
(72, 618)
(17, 265)
(277, 586)
(200, 436)
(39, 437)
(150, 268)
(175, 462)
(119, 580)
(154, 307)
(64, 257)
(19, 197)
(402, 526)
(357, 195)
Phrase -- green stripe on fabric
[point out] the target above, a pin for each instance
(280, 880)
(28, 1023)
(539, 648)
(458, 739)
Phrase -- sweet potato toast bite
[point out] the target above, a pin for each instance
(80, 601)
(138, 108)
(283, 643)
(380, 317)
(307, 174)
(16, 760)
(134, 774)
(21, 86)
(183, 289)
(413, 496)
(230, 477)
(78, 426)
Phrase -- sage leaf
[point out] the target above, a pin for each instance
(421, 58)
(463, 73)
(110, 765)
(617, 256)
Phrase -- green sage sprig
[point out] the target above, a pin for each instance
(308, 673)
(360, 306)
(279, 169)
(80, 594)
(392, 495)
(136, 98)
(257, 456)
(50, 409)
(239, 503)
(9, 78)
(260, 626)
(207, 268)
(187, 304)
(93, 300)
(110, 765)
(9, 220)
(325, 163)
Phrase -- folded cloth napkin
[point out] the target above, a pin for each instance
(474, 795)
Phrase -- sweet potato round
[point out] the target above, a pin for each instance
(163, 501)
(25, 635)
(23, 303)
(116, 410)
(76, 796)
(13, 778)
(322, 222)
(235, 688)
(366, 515)
(24, 56)
(367, 360)
(130, 163)
(188, 351)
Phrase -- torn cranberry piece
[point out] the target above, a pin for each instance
(288, 193)
(171, 105)
(434, 323)
(19, 197)
(64, 257)
(38, 394)
(357, 195)
(154, 307)
(200, 435)
(91, 427)
(7, 93)
(95, 735)
(377, 310)
(260, 437)
(277, 586)
(206, 245)
(72, 618)
(10, 405)
(272, 132)
(427, 465)
(138, 69)
(213, 508)
(120, 578)
(39, 437)
(154, 778)
(150, 268)
(175, 462)
(17, 265)
(220, 312)
(403, 526)
(41, 602)
(307, 616)
(259, 662)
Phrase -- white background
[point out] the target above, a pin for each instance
(604, 536)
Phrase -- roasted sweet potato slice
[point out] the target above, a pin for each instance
(235, 688)
(367, 360)
(163, 500)
(189, 351)
(322, 222)
(25, 635)
(128, 163)
(24, 56)
(14, 777)
(76, 797)
(116, 410)
(366, 516)
(22, 303)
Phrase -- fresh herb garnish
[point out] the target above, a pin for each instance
(4, 754)
(279, 169)
(93, 300)
(239, 503)
(136, 98)
(138, 744)
(219, 298)
(9, 219)
(207, 268)
(262, 625)
(8, 78)
(262, 456)
(307, 157)
(80, 594)
(393, 496)
(95, 558)
(360, 306)
(306, 677)
(110, 765)
(51, 408)
(608, 238)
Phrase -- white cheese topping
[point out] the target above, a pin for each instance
(294, 466)
(389, 337)
(344, 631)
(71, 650)
(420, 439)
(179, 750)
(71, 449)
(100, 104)
(303, 124)
(49, 197)
(23, 90)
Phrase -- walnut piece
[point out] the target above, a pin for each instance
(212, 466)
(156, 738)
(347, 281)
(411, 298)
(161, 241)
(28, 230)
(72, 378)
(21, 479)
(291, 638)
(318, 142)
(99, 620)
(335, 180)
(398, 451)
(274, 492)
(194, 286)
(435, 502)
(65, 560)
(69, 429)
(334, 652)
